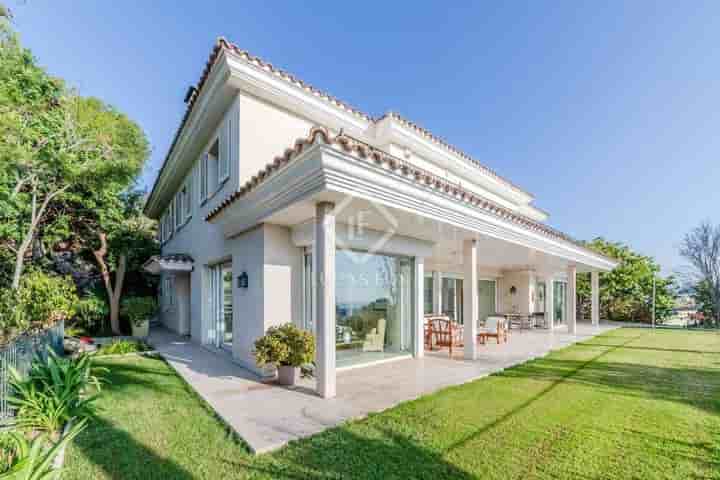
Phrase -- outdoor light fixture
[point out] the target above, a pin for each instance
(513, 290)
(242, 280)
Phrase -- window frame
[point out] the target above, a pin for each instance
(204, 177)
(223, 167)
(187, 194)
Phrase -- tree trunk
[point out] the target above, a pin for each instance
(35, 217)
(114, 293)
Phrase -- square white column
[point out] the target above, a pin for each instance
(470, 294)
(437, 292)
(419, 316)
(595, 298)
(324, 278)
(572, 299)
(550, 302)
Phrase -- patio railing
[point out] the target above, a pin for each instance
(19, 354)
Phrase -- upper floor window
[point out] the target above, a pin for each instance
(178, 209)
(209, 179)
(224, 160)
(187, 196)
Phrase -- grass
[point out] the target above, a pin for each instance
(632, 403)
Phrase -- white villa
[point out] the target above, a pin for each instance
(279, 203)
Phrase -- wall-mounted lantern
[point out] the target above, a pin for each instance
(242, 280)
(513, 290)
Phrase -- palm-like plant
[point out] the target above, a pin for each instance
(33, 459)
(54, 392)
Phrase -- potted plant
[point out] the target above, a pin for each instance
(139, 310)
(287, 348)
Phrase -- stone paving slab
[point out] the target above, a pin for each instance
(267, 416)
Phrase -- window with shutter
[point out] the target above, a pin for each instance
(224, 162)
(178, 210)
(187, 202)
(203, 178)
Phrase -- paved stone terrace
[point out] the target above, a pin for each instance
(267, 416)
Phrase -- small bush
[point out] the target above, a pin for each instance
(122, 347)
(139, 309)
(91, 312)
(13, 318)
(41, 301)
(48, 299)
(285, 345)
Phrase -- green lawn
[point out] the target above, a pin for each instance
(629, 404)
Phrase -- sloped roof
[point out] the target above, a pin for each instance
(223, 44)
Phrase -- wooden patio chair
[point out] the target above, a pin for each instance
(447, 333)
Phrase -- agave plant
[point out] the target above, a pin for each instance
(33, 459)
(55, 391)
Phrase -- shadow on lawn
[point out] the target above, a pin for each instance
(117, 453)
(115, 450)
(342, 454)
(697, 387)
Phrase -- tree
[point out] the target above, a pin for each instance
(626, 292)
(53, 141)
(701, 247)
(125, 241)
(67, 160)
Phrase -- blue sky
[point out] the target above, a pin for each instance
(607, 111)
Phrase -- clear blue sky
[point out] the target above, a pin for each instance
(607, 111)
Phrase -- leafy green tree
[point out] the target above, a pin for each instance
(626, 292)
(67, 162)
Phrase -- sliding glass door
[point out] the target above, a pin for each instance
(374, 299)
(220, 326)
(452, 298)
(486, 299)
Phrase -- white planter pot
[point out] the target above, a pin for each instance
(288, 375)
(140, 331)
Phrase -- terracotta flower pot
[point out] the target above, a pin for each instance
(288, 375)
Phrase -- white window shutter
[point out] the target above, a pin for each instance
(224, 161)
(203, 177)
(188, 194)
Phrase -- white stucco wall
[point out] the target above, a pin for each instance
(274, 294)
(521, 301)
(265, 132)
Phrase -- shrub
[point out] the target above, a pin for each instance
(32, 459)
(91, 312)
(139, 309)
(13, 318)
(286, 345)
(40, 301)
(122, 347)
(55, 391)
(47, 299)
